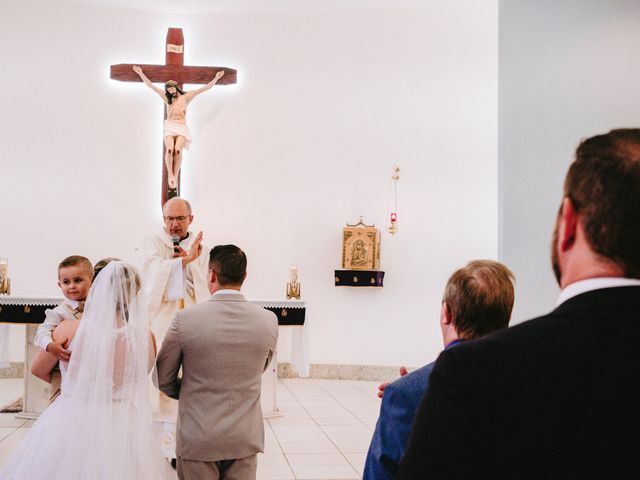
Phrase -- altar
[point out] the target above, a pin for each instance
(29, 310)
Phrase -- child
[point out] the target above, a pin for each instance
(74, 279)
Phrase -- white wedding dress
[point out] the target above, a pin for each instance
(100, 428)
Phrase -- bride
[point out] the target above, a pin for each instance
(100, 427)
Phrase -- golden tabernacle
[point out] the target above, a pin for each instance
(360, 247)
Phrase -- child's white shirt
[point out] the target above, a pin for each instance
(53, 317)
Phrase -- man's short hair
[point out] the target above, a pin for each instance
(77, 261)
(479, 297)
(229, 263)
(603, 185)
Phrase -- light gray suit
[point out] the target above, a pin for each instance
(223, 346)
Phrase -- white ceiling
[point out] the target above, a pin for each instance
(251, 6)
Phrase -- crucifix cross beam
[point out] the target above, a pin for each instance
(174, 69)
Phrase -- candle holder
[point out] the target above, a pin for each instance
(5, 283)
(393, 214)
(293, 285)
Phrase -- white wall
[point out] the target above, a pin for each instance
(327, 102)
(568, 70)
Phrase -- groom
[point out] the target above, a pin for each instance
(223, 346)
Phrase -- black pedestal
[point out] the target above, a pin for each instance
(359, 278)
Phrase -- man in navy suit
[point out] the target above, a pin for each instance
(557, 396)
(477, 300)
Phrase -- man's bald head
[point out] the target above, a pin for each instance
(177, 217)
(176, 200)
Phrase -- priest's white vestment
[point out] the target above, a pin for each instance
(165, 282)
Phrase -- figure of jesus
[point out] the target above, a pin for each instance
(175, 132)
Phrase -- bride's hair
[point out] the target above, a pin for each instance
(129, 284)
(97, 268)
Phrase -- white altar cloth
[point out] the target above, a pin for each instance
(36, 392)
(31, 300)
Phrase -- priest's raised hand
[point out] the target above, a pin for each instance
(192, 254)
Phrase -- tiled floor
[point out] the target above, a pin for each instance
(323, 433)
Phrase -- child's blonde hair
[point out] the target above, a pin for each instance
(77, 260)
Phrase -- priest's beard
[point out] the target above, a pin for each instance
(555, 263)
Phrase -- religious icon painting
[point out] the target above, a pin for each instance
(360, 247)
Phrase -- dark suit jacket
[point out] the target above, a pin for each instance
(555, 397)
(398, 409)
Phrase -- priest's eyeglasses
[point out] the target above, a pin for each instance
(178, 219)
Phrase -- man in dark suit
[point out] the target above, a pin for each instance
(557, 396)
(477, 300)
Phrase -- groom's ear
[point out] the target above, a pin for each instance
(212, 276)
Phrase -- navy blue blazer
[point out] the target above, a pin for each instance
(399, 405)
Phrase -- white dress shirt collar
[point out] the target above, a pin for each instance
(167, 240)
(72, 303)
(589, 284)
(227, 291)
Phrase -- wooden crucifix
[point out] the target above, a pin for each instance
(173, 70)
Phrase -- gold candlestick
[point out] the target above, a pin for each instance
(293, 286)
(5, 283)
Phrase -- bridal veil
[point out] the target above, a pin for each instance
(100, 427)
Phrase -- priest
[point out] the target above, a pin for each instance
(174, 266)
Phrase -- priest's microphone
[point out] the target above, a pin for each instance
(176, 243)
(176, 249)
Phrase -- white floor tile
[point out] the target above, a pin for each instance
(329, 420)
(272, 448)
(328, 472)
(28, 424)
(6, 431)
(357, 461)
(289, 407)
(278, 460)
(316, 459)
(349, 438)
(302, 433)
(325, 466)
(323, 433)
(10, 420)
(271, 445)
(304, 439)
(292, 421)
(361, 405)
(7, 446)
(274, 473)
(368, 417)
(369, 423)
(325, 446)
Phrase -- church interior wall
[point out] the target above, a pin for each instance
(327, 102)
(568, 71)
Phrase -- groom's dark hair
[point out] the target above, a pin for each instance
(602, 184)
(229, 263)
